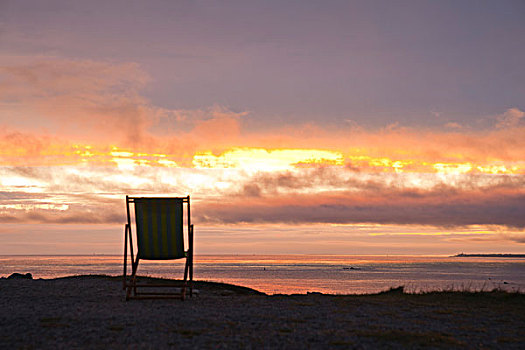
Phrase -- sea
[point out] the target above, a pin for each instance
(291, 274)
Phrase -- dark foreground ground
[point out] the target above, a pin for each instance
(89, 312)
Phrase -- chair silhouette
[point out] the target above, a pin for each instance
(159, 228)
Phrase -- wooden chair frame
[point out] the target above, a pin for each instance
(130, 284)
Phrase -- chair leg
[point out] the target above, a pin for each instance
(135, 276)
(128, 293)
(190, 257)
(124, 277)
(132, 283)
(132, 286)
(191, 276)
(185, 284)
(186, 267)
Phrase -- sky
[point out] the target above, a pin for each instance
(297, 127)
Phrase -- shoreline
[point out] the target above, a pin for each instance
(244, 290)
(477, 255)
(89, 311)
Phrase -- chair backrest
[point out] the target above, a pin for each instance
(159, 225)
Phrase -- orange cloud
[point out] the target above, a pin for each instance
(59, 103)
(77, 99)
(510, 119)
(79, 135)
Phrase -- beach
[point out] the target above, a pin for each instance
(91, 312)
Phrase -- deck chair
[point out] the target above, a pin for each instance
(159, 228)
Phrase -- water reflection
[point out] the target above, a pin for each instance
(301, 273)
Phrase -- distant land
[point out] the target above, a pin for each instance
(462, 255)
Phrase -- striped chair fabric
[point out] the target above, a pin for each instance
(159, 228)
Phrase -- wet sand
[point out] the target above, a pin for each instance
(91, 312)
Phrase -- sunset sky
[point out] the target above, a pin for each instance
(307, 127)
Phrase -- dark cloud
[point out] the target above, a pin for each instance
(379, 184)
(102, 215)
(518, 239)
(497, 209)
(316, 195)
(6, 218)
(8, 196)
(474, 209)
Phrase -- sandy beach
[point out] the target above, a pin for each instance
(91, 312)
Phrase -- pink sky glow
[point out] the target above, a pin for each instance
(271, 166)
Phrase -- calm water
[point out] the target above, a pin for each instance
(301, 273)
